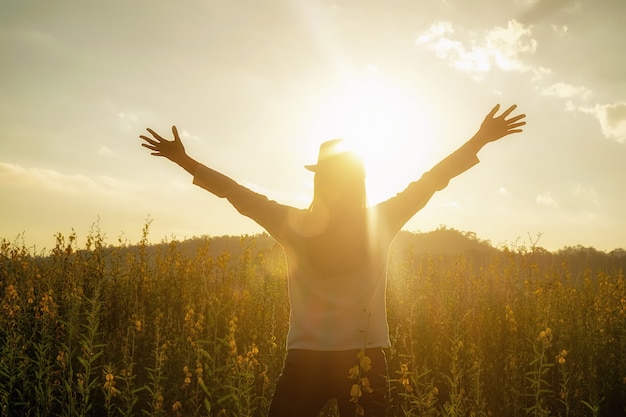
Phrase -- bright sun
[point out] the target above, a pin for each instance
(385, 125)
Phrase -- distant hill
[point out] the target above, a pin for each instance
(444, 242)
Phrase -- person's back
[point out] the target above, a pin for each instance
(337, 283)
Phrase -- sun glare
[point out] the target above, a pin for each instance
(381, 122)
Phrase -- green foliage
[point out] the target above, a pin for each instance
(198, 328)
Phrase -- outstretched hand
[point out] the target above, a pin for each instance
(496, 127)
(171, 149)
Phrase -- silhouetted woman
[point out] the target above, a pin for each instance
(337, 258)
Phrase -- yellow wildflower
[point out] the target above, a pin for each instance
(355, 392)
(365, 361)
(109, 384)
(353, 373)
(365, 385)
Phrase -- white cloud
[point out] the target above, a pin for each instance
(436, 30)
(186, 135)
(16, 176)
(569, 106)
(507, 44)
(50, 180)
(130, 116)
(577, 198)
(564, 90)
(560, 30)
(612, 118)
(501, 47)
(546, 199)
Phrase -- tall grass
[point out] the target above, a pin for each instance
(162, 331)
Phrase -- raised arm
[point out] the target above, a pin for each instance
(258, 207)
(170, 149)
(399, 209)
(212, 181)
(496, 127)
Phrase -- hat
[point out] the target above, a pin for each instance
(333, 150)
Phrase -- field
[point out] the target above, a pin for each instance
(193, 330)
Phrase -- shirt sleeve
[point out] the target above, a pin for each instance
(399, 209)
(267, 213)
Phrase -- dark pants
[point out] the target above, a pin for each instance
(310, 378)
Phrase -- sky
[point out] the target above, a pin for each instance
(255, 86)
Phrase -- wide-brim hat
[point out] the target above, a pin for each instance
(333, 152)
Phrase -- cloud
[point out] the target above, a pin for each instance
(507, 44)
(186, 135)
(129, 119)
(560, 30)
(546, 199)
(48, 180)
(612, 118)
(576, 198)
(501, 48)
(130, 116)
(564, 90)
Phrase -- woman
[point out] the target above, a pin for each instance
(337, 258)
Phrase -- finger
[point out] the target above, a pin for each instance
(514, 125)
(155, 134)
(508, 111)
(175, 132)
(494, 110)
(516, 118)
(149, 140)
(151, 147)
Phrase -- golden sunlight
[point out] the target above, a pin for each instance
(381, 122)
